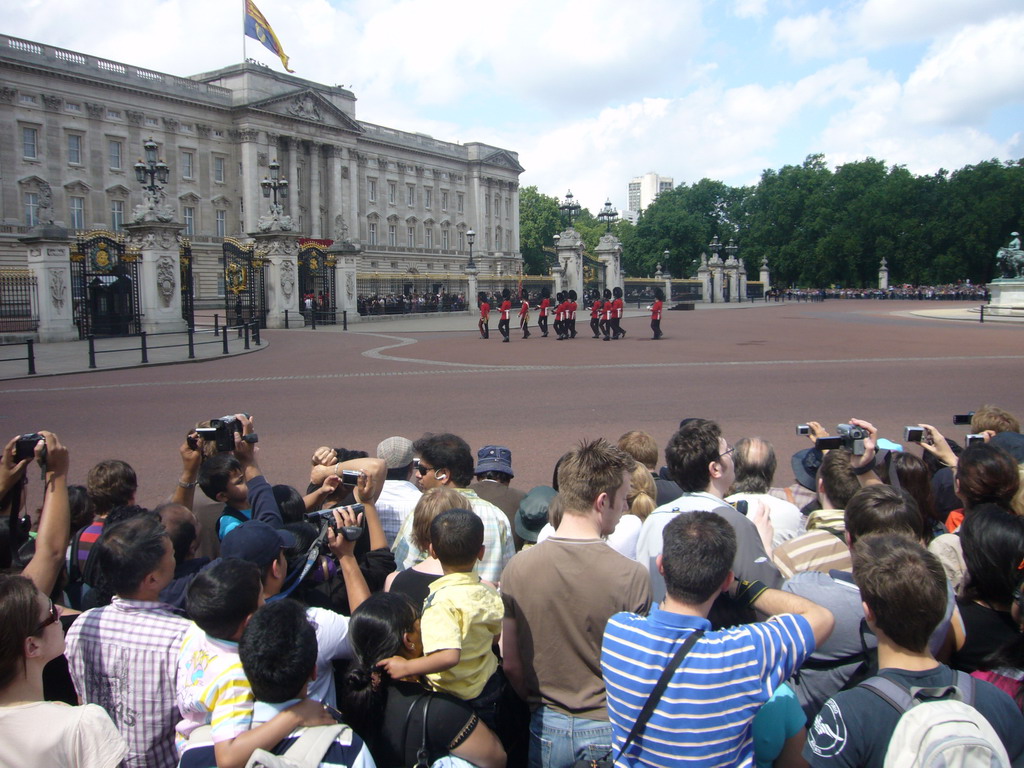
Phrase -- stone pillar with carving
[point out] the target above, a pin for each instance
(704, 275)
(159, 274)
(766, 275)
(49, 260)
(346, 257)
(251, 192)
(280, 250)
(609, 253)
(569, 253)
(883, 275)
(718, 275)
(741, 281)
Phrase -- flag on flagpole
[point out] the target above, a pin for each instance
(256, 26)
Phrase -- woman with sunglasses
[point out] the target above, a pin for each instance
(34, 731)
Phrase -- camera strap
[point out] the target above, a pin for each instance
(311, 557)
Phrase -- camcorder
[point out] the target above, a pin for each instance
(25, 447)
(326, 517)
(221, 433)
(850, 437)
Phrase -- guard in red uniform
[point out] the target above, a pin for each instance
(542, 311)
(485, 315)
(506, 310)
(618, 309)
(524, 315)
(659, 298)
(606, 314)
(595, 318)
(572, 314)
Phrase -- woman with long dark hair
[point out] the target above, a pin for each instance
(34, 731)
(396, 717)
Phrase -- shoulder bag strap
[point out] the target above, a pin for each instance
(422, 756)
(659, 689)
(309, 749)
(408, 720)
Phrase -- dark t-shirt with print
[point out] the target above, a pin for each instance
(854, 727)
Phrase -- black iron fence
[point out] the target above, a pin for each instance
(18, 299)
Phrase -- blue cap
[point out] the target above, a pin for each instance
(256, 542)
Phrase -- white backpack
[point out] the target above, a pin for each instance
(306, 752)
(939, 727)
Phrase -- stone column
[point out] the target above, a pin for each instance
(251, 192)
(49, 260)
(346, 257)
(715, 265)
(159, 274)
(704, 275)
(883, 275)
(765, 274)
(337, 227)
(280, 251)
(294, 147)
(569, 252)
(314, 227)
(353, 221)
(741, 274)
(609, 253)
(473, 288)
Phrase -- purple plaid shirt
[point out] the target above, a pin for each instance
(124, 657)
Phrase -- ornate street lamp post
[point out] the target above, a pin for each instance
(152, 170)
(275, 185)
(470, 238)
(608, 214)
(569, 207)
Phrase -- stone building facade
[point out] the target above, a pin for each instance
(73, 126)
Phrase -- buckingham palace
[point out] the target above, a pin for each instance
(401, 209)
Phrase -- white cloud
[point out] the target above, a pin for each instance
(750, 9)
(885, 22)
(962, 79)
(807, 37)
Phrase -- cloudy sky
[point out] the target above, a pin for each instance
(594, 92)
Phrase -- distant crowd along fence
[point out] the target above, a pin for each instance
(18, 299)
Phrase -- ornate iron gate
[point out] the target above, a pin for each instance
(188, 307)
(245, 294)
(105, 285)
(317, 281)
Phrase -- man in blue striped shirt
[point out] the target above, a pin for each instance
(704, 716)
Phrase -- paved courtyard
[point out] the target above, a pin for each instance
(758, 369)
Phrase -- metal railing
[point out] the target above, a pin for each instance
(30, 355)
(246, 331)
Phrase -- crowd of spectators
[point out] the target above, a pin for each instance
(410, 303)
(412, 606)
(949, 292)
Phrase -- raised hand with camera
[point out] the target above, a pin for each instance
(12, 466)
(55, 519)
(934, 442)
(342, 536)
(191, 451)
(863, 460)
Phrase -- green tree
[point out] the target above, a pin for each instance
(538, 224)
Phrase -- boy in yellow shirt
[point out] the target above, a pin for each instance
(461, 620)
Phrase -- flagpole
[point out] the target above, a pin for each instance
(244, 19)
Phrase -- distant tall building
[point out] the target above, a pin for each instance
(643, 190)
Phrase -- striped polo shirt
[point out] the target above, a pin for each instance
(704, 717)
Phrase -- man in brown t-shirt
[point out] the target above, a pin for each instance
(558, 597)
